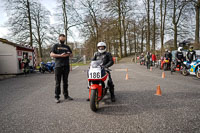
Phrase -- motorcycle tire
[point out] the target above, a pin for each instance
(184, 71)
(198, 73)
(172, 68)
(165, 67)
(43, 71)
(94, 104)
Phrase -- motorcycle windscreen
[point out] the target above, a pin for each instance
(95, 64)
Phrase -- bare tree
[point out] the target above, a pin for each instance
(148, 25)
(162, 22)
(41, 24)
(92, 10)
(20, 20)
(126, 8)
(154, 27)
(114, 7)
(142, 33)
(196, 4)
(119, 11)
(67, 16)
(178, 8)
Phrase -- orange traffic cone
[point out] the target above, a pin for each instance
(126, 76)
(126, 73)
(151, 69)
(158, 91)
(163, 75)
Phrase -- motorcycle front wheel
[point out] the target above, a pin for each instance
(94, 103)
(173, 67)
(184, 71)
(198, 73)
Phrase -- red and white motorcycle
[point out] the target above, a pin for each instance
(97, 82)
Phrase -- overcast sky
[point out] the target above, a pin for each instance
(49, 4)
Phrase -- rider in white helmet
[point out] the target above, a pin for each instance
(101, 47)
(179, 56)
(180, 49)
(107, 60)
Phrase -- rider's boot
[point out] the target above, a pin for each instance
(113, 98)
(112, 94)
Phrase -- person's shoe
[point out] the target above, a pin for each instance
(113, 98)
(88, 99)
(69, 98)
(57, 100)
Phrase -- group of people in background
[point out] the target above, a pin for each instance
(150, 59)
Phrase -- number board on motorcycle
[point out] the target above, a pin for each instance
(95, 73)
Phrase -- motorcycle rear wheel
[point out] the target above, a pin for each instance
(94, 103)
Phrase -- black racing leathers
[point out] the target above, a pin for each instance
(191, 54)
(179, 58)
(106, 58)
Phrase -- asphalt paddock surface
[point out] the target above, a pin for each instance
(27, 104)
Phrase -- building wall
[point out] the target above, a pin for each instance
(8, 59)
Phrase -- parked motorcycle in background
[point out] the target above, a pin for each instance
(165, 64)
(142, 61)
(49, 67)
(191, 68)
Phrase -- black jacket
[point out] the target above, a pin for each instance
(106, 57)
(179, 55)
(191, 54)
(26, 62)
(168, 55)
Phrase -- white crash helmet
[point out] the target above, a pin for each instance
(180, 49)
(101, 44)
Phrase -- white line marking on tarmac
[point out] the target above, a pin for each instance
(75, 67)
(121, 70)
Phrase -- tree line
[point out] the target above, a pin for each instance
(127, 26)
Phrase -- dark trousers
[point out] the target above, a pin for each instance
(26, 67)
(148, 64)
(61, 72)
(110, 85)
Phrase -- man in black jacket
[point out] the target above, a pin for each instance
(61, 53)
(191, 54)
(107, 60)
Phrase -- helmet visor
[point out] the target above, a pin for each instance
(102, 48)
